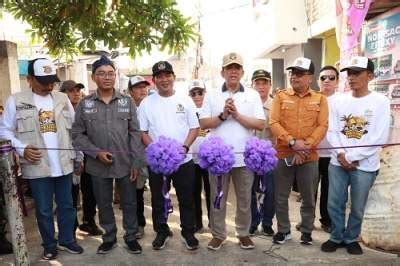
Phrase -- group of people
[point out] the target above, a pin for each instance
(63, 140)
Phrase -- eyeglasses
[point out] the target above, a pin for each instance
(195, 93)
(298, 73)
(325, 77)
(106, 75)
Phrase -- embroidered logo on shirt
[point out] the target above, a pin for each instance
(122, 102)
(25, 106)
(354, 126)
(47, 122)
(180, 108)
(89, 103)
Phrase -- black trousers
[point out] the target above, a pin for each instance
(323, 201)
(75, 193)
(201, 178)
(140, 207)
(88, 199)
(183, 181)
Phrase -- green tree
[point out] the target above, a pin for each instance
(68, 27)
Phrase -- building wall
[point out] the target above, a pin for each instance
(331, 49)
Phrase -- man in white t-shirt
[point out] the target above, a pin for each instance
(361, 118)
(165, 113)
(232, 113)
(38, 122)
(197, 91)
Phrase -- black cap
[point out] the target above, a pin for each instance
(261, 74)
(69, 84)
(302, 64)
(103, 61)
(360, 63)
(43, 70)
(162, 66)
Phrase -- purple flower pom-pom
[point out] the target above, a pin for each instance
(164, 156)
(260, 156)
(216, 156)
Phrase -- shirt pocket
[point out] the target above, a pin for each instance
(122, 122)
(311, 115)
(25, 121)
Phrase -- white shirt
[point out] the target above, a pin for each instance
(247, 103)
(358, 121)
(47, 127)
(324, 142)
(171, 117)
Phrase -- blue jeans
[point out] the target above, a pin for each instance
(360, 183)
(43, 191)
(268, 208)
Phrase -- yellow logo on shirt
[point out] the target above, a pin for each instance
(354, 126)
(47, 122)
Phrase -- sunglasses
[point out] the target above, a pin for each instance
(325, 77)
(195, 93)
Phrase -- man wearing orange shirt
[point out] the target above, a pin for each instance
(299, 121)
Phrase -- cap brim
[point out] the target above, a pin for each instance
(358, 69)
(233, 62)
(260, 77)
(45, 80)
(297, 68)
(163, 71)
(196, 88)
(140, 82)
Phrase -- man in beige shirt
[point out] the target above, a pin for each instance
(262, 195)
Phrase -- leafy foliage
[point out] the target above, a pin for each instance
(70, 26)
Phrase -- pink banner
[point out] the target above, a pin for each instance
(350, 15)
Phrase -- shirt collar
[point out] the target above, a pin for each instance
(290, 91)
(224, 88)
(116, 94)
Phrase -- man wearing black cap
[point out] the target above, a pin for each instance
(165, 113)
(360, 119)
(299, 120)
(38, 121)
(263, 211)
(107, 131)
(73, 91)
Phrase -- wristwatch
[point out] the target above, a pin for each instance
(221, 117)
(292, 142)
(186, 148)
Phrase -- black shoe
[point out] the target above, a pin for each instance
(190, 241)
(5, 246)
(253, 230)
(50, 254)
(306, 239)
(280, 238)
(72, 248)
(106, 247)
(330, 246)
(161, 240)
(91, 229)
(268, 231)
(134, 247)
(354, 248)
(326, 228)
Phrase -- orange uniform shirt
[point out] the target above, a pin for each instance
(298, 116)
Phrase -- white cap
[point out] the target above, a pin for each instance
(196, 84)
(302, 64)
(43, 70)
(135, 80)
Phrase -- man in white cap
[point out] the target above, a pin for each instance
(138, 88)
(298, 120)
(359, 119)
(38, 122)
(197, 91)
(232, 113)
